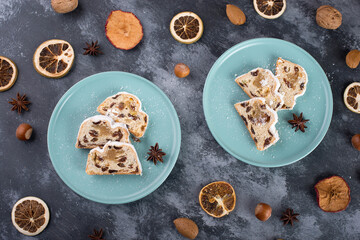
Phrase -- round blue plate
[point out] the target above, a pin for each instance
(79, 103)
(221, 93)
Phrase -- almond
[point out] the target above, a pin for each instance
(353, 58)
(235, 15)
(328, 17)
(186, 227)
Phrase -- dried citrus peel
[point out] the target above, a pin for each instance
(352, 97)
(8, 73)
(217, 199)
(270, 9)
(30, 216)
(333, 194)
(54, 58)
(186, 27)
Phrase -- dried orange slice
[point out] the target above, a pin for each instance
(270, 9)
(30, 215)
(54, 58)
(217, 199)
(186, 27)
(123, 29)
(352, 97)
(8, 73)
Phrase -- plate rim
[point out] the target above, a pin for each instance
(228, 53)
(152, 187)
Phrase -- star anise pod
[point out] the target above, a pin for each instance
(19, 103)
(97, 235)
(298, 122)
(92, 49)
(289, 216)
(155, 154)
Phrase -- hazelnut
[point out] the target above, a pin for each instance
(181, 70)
(355, 140)
(328, 17)
(263, 211)
(64, 6)
(235, 15)
(24, 131)
(186, 227)
(353, 58)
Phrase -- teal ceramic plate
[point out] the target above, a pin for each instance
(221, 93)
(79, 103)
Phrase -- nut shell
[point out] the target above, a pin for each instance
(328, 17)
(235, 15)
(186, 227)
(355, 141)
(181, 70)
(64, 6)
(353, 58)
(263, 212)
(24, 132)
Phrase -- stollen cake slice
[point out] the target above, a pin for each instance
(293, 80)
(261, 82)
(260, 120)
(96, 131)
(113, 158)
(125, 108)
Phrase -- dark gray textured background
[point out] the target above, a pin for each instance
(27, 170)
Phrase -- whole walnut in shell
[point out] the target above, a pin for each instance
(328, 17)
(64, 6)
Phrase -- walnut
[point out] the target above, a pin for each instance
(328, 17)
(64, 6)
(353, 58)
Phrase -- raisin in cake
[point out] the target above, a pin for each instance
(260, 120)
(126, 108)
(98, 130)
(262, 83)
(113, 158)
(293, 80)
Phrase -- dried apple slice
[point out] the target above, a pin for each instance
(333, 194)
(123, 30)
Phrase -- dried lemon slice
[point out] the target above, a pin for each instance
(270, 9)
(54, 58)
(352, 97)
(30, 215)
(186, 27)
(217, 199)
(8, 73)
